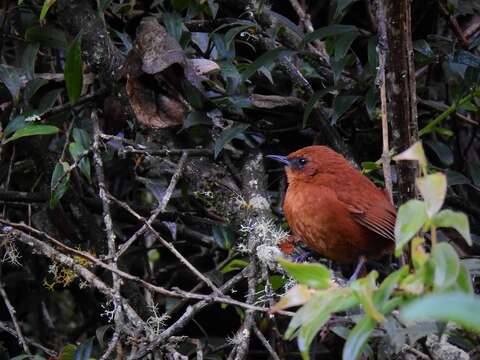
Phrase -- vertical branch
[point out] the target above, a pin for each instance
(107, 220)
(401, 91)
(382, 51)
(11, 311)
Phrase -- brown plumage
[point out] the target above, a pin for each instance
(335, 209)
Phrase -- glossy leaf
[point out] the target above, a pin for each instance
(343, 44)
(29, 57)
(341, 7)
(33, 129)
(363, 290)
(416, 153)
(59, 183)
(68, 352)
(328, 31)
(311, 274)
(47, 36)
(234, 265)
(458, 307)
(446, 264)
(464, 280)
(311, 104)
(454, 219)
(357, 338)
(264, 60)
(10, 77)
(298, 295)
(73, 71)
(77, 150)
(341, 104)
(228, 135)
(388, 285)
(47, 4)
(411, 217)
(433, 189)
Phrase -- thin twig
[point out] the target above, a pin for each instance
(8, 329)
(167, 244)
(265, 343)
(90, 277)
(161, 207)
(187, 315)
(108, 222)
(382, 51)
(111, 345)
(11, 311)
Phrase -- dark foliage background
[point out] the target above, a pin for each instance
(115, 113)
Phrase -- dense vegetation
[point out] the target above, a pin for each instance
(139, 216)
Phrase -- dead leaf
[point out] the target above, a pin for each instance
(274, 101)
(152, 110)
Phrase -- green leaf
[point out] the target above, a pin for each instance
(388, 285)
(28, 60)
(68, 352)
(10, 77)
(315, 313)
(82, 137)
(423, 48)
(357, 338)
(312, 274)
(77, 150)
(59, 183)
(32, 87)
(84, 350)
(458, 307)
(264, 60)
(73, 71)
(411, 217)
(47, 4)
(33, 129)
(223, 236)
(464, 280)
(341, 6)
(15, 124)
(173, 25)
(453, 219)
(234, 265)
(233, 32)
(311, 104)
(446, 264)
(341, 104)
(415, 153)
(297, 295)
(47, 36)
(343, 44)
(228, 135)
(363, 290)
(328, 31)
(433, 189)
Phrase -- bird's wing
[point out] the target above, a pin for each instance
(379, 218)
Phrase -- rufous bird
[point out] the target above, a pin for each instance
(335, 209)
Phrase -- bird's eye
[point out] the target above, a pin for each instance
(302, 161)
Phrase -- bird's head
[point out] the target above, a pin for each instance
(303, 165)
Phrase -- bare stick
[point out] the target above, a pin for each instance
(50, 252)
(111, 345)
(161, 207)
(11, 310)
(8, 329)
(168, 245)
(107, 220)
(265, 343)
(382, 50)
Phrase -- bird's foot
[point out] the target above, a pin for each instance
(358, 269)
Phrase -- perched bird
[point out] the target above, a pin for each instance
(335, 209)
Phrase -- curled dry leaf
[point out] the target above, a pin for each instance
(152, 110)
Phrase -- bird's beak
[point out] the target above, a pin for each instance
(280, 158)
